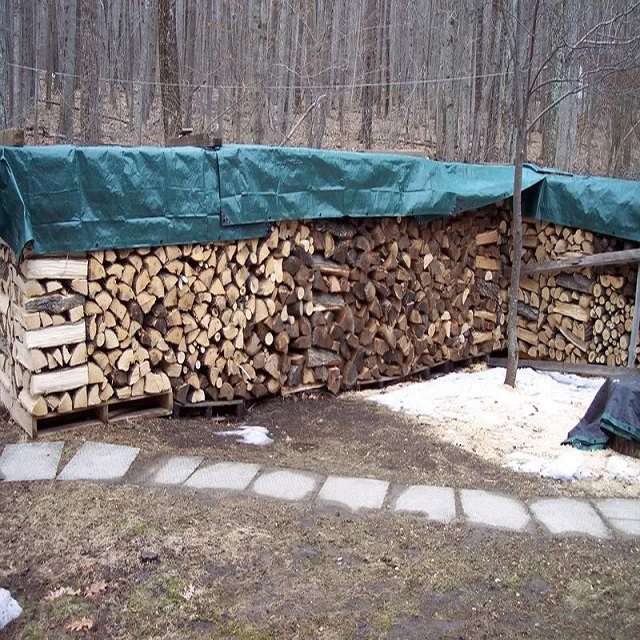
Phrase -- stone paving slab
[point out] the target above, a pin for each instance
(99, 461)
(436, 503)
(354, 493)
(622, 513)
(494, 510)
(31, 461)
(230, 476)
(568, 516)
(176, 469)
(286, 484)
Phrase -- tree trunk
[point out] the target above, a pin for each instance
(368, 40)
(516, 221)
(68, 88)
(90, 112)
(169, 70)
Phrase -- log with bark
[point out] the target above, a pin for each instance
(333, 304)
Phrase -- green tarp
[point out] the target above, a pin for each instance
(602, 205)
(274, 183)
(63, 198)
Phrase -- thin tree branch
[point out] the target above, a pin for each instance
(301, 119)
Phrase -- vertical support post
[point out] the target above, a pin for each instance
(633, 343)
(220, 107)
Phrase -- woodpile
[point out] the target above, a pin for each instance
(612, 316)
(329, 304)
(578, 316)
(6, 321)
(42, 334)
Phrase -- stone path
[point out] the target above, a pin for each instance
(97, 461)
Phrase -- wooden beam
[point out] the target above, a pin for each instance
(56, 336)
(54, 268)
(566, 367)
(633, 342)
(574, 311)
(201, 140)
(59, 380)
(12, 137)
(596, 260)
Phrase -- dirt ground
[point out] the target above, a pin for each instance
(319, 432)
(238, 567)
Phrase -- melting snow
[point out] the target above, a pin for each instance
(250, 434)
(9, 608)
(519, 428)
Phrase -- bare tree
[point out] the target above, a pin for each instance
(90, 112)
(69, 79)
(169, 69)
(432, 74)
(368, 40)
(530, 58)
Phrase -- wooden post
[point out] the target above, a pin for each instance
(595, 260)
(634, 329)
(220, 108)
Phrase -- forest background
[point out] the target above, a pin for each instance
(434, 76)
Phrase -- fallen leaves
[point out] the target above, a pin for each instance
(81, 624)
(95, 588)
(55, 594)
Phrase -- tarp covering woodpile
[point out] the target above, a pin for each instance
(614, 412)
(64, 198)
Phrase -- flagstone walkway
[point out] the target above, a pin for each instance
(97, 461)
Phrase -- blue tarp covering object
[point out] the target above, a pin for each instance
(58, 199)
(614, 412)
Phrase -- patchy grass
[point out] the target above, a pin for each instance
(236, 567)
(241, 567)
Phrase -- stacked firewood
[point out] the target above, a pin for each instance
(46, 334)
(179, 316)
(553, 316)
(324, 304)
(612, 315)
(7, 260)
(580, 316)
(547, 241)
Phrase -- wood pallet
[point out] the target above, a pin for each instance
(625, 446)
(449, 366)
(143, 407)
(213, 409)
(152, 406)
(377, 383)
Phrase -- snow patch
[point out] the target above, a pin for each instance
(519, 428)
(9, 608)
(619, 468)
(568, 467)
(250, 434)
